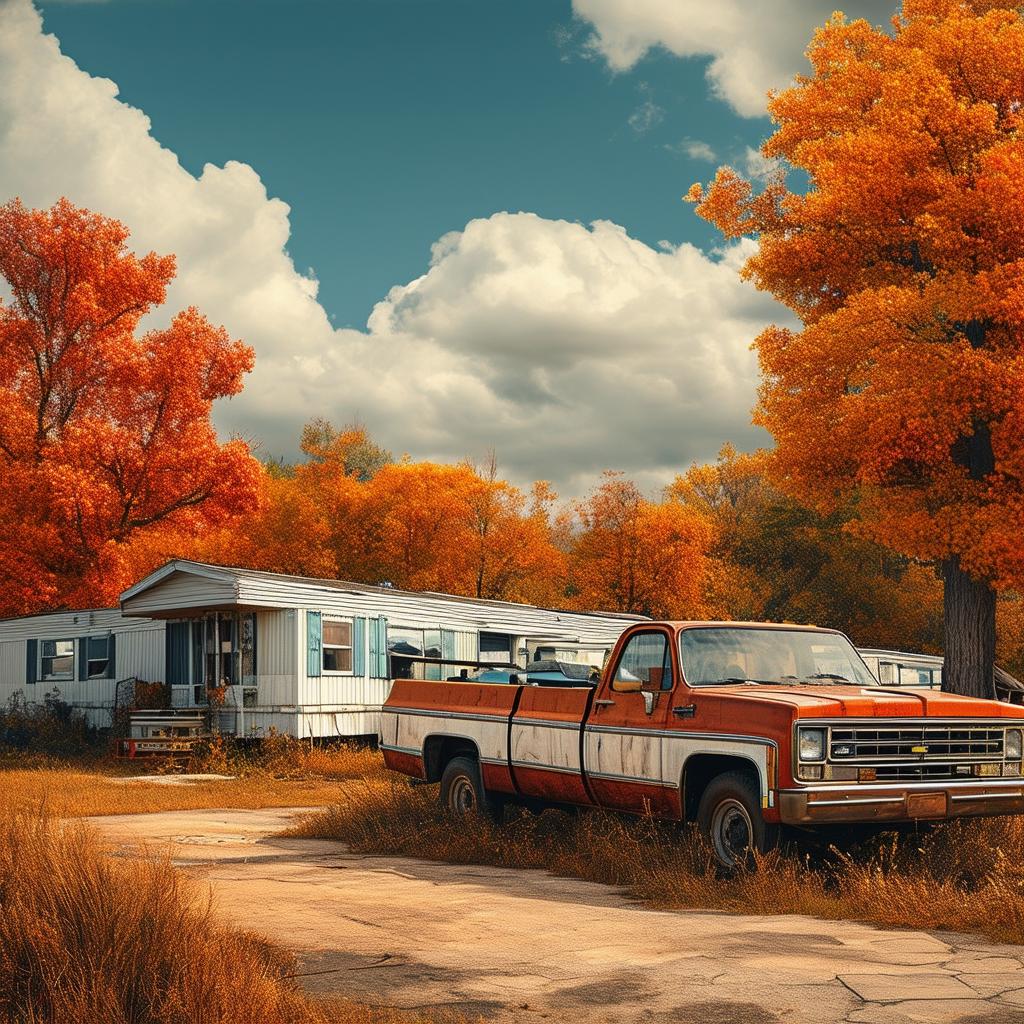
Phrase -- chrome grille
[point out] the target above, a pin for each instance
(962, 742)
(920, 772)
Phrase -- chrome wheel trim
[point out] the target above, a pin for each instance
(732, 832)
(462, 795)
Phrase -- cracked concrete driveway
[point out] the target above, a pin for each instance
(522, 945)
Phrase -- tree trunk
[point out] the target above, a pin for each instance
(969, 605)
(969, 613)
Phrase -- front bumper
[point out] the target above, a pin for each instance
(820, 805)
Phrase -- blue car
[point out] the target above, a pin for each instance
(537, 673)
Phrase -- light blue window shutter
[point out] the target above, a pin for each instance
(83, 658)
(384, 662)
(379, 648)
(314, 638)
(372, 628)
(359, 646)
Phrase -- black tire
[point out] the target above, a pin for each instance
(463, 794)
(729, 818)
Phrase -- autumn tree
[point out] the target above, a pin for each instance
(630, 554)
(286, 531)
(348, 451)
(348, 510)
(105, 436)
(903, 258)
(774, 559)
(514, 556)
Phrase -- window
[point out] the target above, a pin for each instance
(495, 647)
(432, 649)
(646, 660)
(404, 644)
(727, 655)
(56, 660)
(97, 662)
(337, 646)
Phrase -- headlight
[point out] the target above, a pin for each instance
(812, 744)
(1012, 745)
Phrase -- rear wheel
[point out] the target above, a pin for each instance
(730, 818)
(463, 793)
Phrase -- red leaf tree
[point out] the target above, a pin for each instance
(105, 436)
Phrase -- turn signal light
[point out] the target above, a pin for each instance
(867, 775)
(810, 771)
(1011, 768)
(990, 768)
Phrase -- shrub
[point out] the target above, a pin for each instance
(50, 727)
(86, 938)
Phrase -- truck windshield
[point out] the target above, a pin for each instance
(719, 655)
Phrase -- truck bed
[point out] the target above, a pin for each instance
(516, 729)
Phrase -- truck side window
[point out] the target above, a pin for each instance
(647, 660)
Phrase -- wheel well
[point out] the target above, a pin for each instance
(439, 750)
(700, 769)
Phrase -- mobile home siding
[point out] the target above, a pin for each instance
(138, 653)
(181, 591)
(291, 693)
(277, 656)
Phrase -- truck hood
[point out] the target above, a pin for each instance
(848, 701)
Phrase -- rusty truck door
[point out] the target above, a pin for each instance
(545, 743)
(624, 732)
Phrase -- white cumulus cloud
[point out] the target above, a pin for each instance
(568, 348)
(695, 149)
(753, 46)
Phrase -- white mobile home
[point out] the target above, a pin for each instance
(309, 657)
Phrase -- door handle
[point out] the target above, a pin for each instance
(603, 702)
(685, 711)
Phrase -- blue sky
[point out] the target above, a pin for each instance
(458, 222)
(386, 123)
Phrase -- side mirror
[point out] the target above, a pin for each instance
(627, 685)
(513, 678)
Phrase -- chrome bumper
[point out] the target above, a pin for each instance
(810, 805)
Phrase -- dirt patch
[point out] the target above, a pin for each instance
(519, 945)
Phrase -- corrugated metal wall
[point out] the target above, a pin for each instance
(181, 590)
(277, 656)
(140, 653)
(287, 695)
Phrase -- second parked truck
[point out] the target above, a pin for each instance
(739, 727)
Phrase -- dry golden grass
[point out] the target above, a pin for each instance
(962, 876)
(86, 938)
(284, 773)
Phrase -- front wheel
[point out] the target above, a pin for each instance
(730, 819)
(463, 794)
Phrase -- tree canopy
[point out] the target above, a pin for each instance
(902, 394)
(105, 436)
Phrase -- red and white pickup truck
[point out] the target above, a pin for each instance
(741, 727)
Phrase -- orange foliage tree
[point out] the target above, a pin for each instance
(635, 555)
(350, 511)
(774, 559)
(105, 437)
(904, 260)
